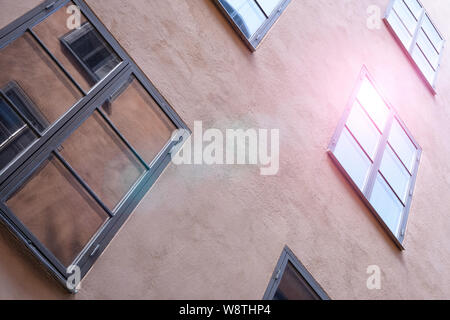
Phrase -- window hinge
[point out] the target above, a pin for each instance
(277, 276)
(50, 5)
(95, 250)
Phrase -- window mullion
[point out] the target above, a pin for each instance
(83, 184)
(378, 157)
(417, 31)
(47, 50)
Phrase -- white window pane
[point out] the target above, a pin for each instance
(395, 173)
(268, 5)
(406, 16)
(424, 65)
(364, 130)
(352, 159)
(246, 14)
(373, 104)
(430, 52)
(399, 29)
(402, 145)
(432, 33)
(386, 204)
(415, 7)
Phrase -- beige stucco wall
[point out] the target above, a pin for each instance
(216, 232)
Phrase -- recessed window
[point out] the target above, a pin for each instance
(419, 37)
(252, 18)
(291, 281)
(378, 155)
(83, 136)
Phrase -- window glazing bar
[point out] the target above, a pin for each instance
(44, 47)
(83, 183)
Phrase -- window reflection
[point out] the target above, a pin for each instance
(83, 52)
(15, 135)
(246, 14)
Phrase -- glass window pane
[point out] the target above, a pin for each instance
(399, 29)
(140, 120)
(246, 14)
(432, 33)
(428, 49)
(373, 104)
(352, 159)
(102, 160)
(395, 173)
(423, 65)
(386, 204)
(363, 130)
(403, 145)
(83, 52)
(15, 135)
(414, 6)
(49, 92)
(57, 210)
(268, 5)
(294, 287)
(406, 16)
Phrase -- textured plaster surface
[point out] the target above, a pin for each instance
(216, 232)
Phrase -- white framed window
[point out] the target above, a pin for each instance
(378, 155)
(420, 38)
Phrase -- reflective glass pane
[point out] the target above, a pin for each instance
(363, 130)
(386, 204)
(57, 211)
(268, 5)
(428, 49)
(294, 287)
(399, 29)
(47, 91)
(352, 159)
(83, 51)
(102, 160)
(423, 65)
(403, 145)
(246, 14)
(395, 173)
(432, 33)
(406, 16)
(15, 135)
(414, 6)
(373, 104)
(142, 122)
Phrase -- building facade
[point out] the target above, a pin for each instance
(217, 231)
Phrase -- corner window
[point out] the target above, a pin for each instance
(252, 19)
(378, 155)
(412, 25)
(291, 281)
(83, 136)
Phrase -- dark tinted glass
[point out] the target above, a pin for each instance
(294, 287)
(15, 135)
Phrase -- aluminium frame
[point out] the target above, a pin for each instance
(256, 39)
(287, 256)
(24, 166)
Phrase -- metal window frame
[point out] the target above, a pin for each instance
(376, 163)
(288, 256)
(48, 142)
(256, 39)
(414, 41)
